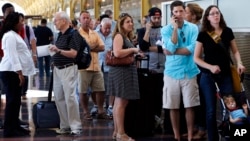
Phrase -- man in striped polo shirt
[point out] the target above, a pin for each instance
(65, 77)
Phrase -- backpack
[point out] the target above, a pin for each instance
(83, 57)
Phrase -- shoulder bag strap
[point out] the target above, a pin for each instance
(217, 40)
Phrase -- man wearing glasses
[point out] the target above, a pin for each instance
(179, 38)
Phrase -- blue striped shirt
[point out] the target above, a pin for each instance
(108, 42)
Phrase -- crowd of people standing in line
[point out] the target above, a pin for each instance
(185, 62)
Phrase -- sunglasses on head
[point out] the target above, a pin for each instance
(123, 15)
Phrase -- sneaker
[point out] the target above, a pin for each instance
(23, 130)
(76, 132)
(24, 97)
(63, 131)
(158, 121)
(110, 111)
(23, 124)
(94, 110)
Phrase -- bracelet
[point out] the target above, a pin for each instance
(239, 63)
(34, 53)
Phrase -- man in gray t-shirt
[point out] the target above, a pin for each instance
(147, 39)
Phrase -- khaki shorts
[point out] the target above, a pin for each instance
(173, 89)
(92, 79)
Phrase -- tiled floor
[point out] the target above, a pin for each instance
(92, 130)
(95, 130)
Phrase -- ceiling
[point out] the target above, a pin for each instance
(45, 8)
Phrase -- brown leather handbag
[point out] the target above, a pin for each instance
(236, 79)
(235, 76)
(111, 60)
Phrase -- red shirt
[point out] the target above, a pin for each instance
(1, 51)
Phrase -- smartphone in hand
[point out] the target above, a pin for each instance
(148, 19)
(173, 16)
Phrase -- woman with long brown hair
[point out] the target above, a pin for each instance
(215, 41)
(123, 80)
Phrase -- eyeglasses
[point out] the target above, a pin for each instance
(214, 13)
(183, 36)
(56, 20)
(123, 15)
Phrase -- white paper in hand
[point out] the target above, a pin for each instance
(51, 53)
(159, 42)
(43, 50)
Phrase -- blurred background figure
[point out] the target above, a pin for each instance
(74, 24)
(27, 33)
(44, 36)
(110, 14)
(193, 14)
(143, 21)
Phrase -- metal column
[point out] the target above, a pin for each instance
(116, 8)
(97, 7)
(83, 4)
(145, 6)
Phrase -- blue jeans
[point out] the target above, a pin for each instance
(41, 65)
(207, 85)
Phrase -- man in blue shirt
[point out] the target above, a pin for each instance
(105, 32)
(179, 38)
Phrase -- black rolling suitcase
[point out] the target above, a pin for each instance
(45, 114)
(139, 117)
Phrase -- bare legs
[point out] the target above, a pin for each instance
(118, 117)
(84, 101)
(175, 120)
(99, 98)
(119, 114)
(190, 122)
(99, 101)
(111, 100)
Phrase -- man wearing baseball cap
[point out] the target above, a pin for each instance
(149, 39)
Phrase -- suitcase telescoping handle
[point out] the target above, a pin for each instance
(141, 68)
(139, 60)
(50, 87)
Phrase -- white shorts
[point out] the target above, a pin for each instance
(173, 89)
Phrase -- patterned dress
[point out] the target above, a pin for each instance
(123, 80)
